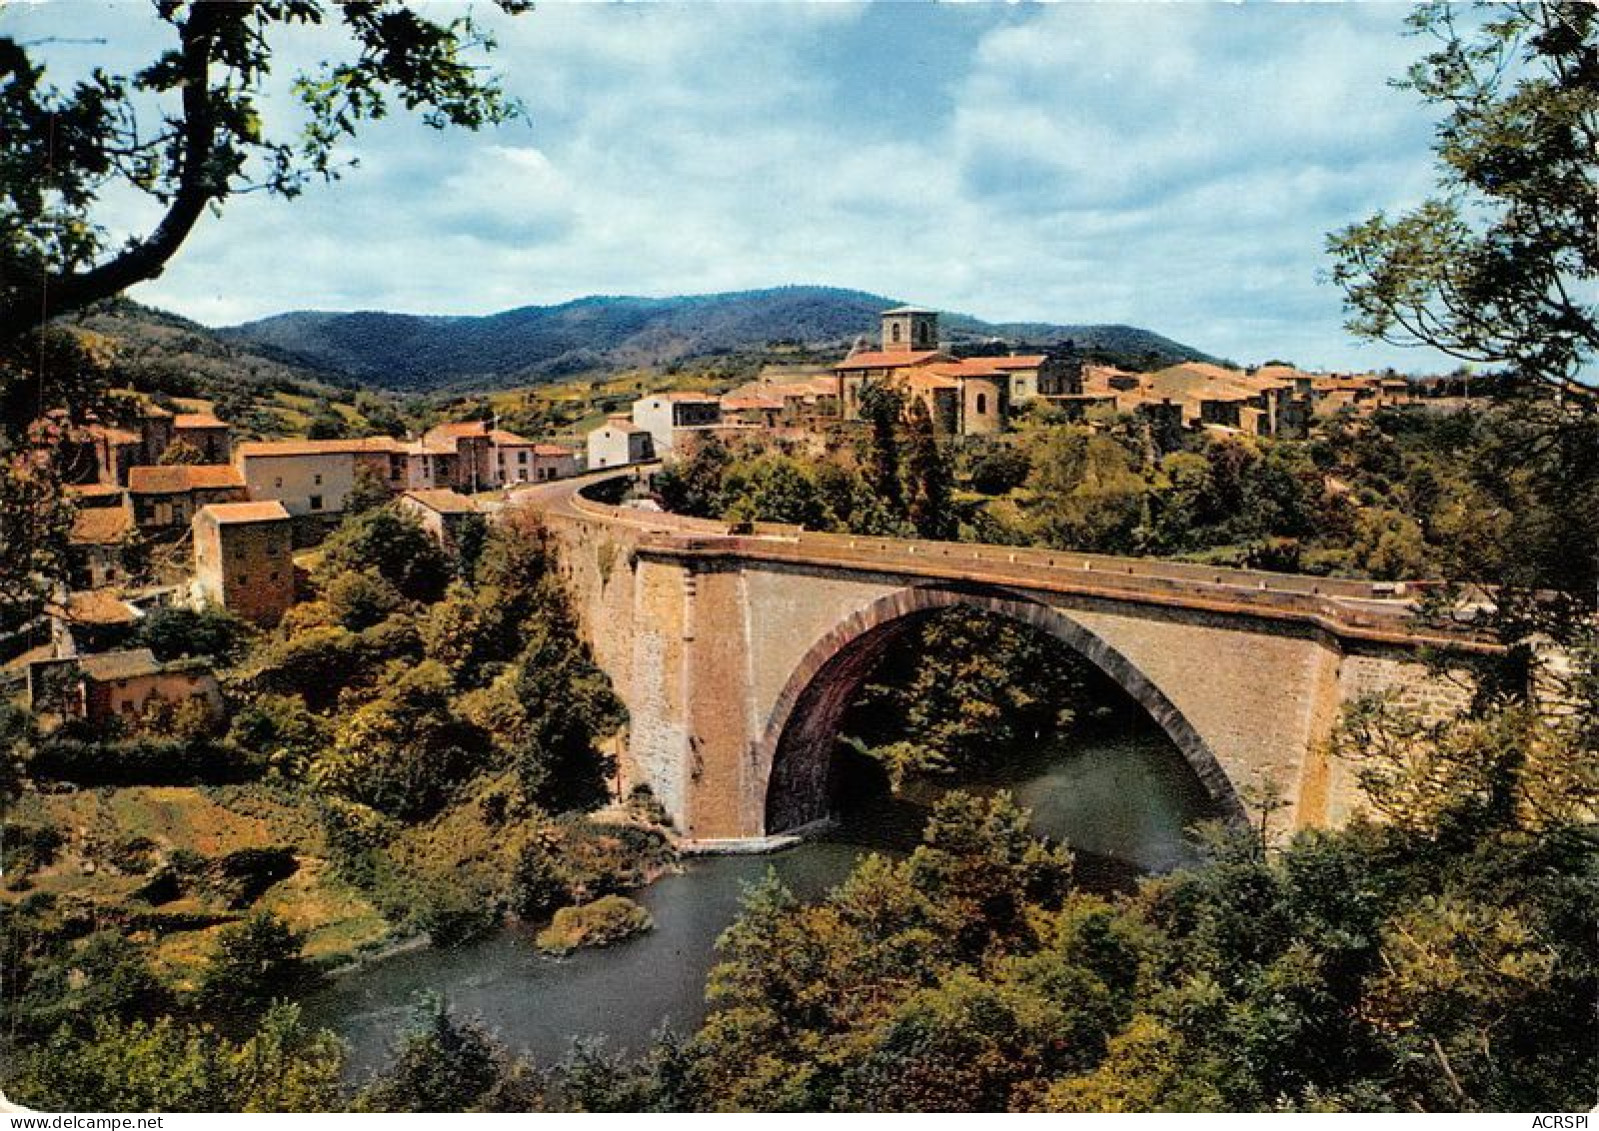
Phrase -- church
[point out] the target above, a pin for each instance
(964, 396)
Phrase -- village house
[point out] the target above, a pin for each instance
(670, 418)
(165, 499)
(93, 620)
(618, 442)
(314, 477)
(787, 396)
(104, 452)
(517, 460)
(243, 559)
(98, 543)
(444, 513)
(203, 432)
(119, 685)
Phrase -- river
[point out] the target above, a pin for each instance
(1121, 797)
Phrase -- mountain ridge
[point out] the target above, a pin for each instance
(537, 343)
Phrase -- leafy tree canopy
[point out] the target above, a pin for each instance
(66, 150)
(1501, 265)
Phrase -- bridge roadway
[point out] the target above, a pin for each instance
(1369, 611)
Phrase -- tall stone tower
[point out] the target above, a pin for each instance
(908, 329)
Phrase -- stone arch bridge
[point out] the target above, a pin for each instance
(737, 654)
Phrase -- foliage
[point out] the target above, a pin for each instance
(255, 962)
(405, 751)
(999, 469)
(367, 490)
(67, 148)
(360, 599)
(882, 406)
(35, 520)
(445, 1064)
(565, 705)
(168, 1065)
(1500, 266)
(140, 759)
(393, 544)
(928, 476)
(605, 922)
(173, 631)
(963, 688)
(181, 452)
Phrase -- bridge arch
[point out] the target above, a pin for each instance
(794, 753)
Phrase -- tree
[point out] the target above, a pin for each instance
(181, 452)
(255, 961)
(883, 406)
(367, 490)
(405, 751)
(1500, 266)
(172, 631)
(928, 476)
(65, 149)
(392, 543)
(440, 1064)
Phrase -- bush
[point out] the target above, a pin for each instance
(241, 876)
(605, 922)
(27, 847)
(144, 761)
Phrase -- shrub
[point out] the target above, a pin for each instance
(605, 922)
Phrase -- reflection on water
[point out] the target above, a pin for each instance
(1121, 800)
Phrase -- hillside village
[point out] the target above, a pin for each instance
(171, 508)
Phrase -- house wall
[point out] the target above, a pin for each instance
(246, 567)
(299, 481)
(126, 698)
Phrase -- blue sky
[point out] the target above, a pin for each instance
(1173, 166)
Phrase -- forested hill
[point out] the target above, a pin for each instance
(600, 333)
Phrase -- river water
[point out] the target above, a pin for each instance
(1121, 797)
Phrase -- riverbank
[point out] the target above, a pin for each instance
(1126, 791)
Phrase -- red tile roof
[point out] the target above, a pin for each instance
(100, 526)
(225, 514)
(277, 449)
(99, 606)
(183, 477)
(443, 500)
(891, 359)
(107, 666)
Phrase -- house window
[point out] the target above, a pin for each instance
(316, 479)
(277, 482)
(242, 580)
(982, 403)
(521, 457)
(893, 333)
(274, 575)
(316, 502)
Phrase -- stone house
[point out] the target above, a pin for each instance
(517, 460)
(314, 477)
(166, 499)
(203, 432)
(243, 559)
(670, 417)
(443, 513)
(120, 685)
(97, 543)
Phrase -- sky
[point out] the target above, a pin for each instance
(1175, 166)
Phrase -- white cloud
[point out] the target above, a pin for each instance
(1171, 166)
